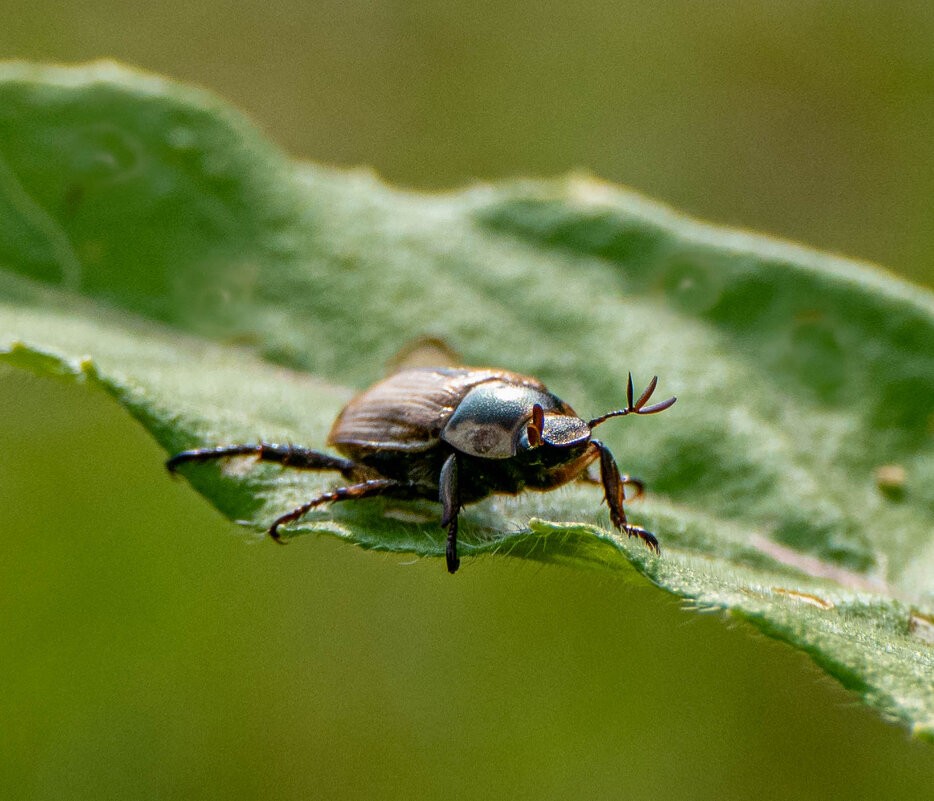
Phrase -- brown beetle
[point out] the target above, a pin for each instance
(455, 435)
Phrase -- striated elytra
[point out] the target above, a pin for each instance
(455, 435)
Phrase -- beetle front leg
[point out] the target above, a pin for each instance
(450, 501)
(613, 488)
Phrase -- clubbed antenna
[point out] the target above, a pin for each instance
(637, 407)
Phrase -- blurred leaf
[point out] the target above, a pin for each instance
(151, 241)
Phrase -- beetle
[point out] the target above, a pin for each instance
(455, 435)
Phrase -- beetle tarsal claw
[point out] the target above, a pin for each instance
(275, 535)
(646, 536)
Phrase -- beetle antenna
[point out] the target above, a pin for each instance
(636, 407)
(644, 397)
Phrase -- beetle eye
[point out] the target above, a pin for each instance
(536, 426)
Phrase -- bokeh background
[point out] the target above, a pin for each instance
(150, 652)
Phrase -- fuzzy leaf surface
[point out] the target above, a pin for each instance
(154, 242)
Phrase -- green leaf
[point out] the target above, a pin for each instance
(152, 242)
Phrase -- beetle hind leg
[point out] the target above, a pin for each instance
(365, 489)
(614, 488)
(286, 455)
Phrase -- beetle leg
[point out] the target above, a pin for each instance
(450, 501)
(638, 483)
(628, 481)
(613, 488)
(366, 489)
(286, 455)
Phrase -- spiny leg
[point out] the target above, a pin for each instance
(286, 455)
(613, 488)
(365, 489)
(450, 501)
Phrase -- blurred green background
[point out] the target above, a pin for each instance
(152, 653)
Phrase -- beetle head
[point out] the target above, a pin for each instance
(557, 430)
